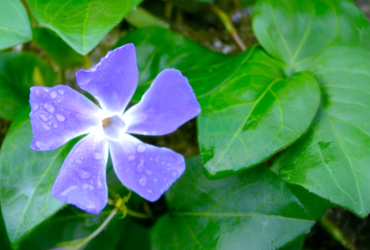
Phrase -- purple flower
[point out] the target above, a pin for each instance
(60, 114)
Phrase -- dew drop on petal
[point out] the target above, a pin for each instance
(55, 125)
(141, 148)
(83, 174)
(60, 117)
(174, 174)
(42, 146)
(46, 127)
(37, 92)
(44, 118)
(142, 181)
(153, 132)
(131, 158)
(140, 166)
(61, 91)
(49, 108)
(97, 155)
(148, 172)
(155, 179)
(149, 191)
(46, 90)
(35, 106)
(53, 94)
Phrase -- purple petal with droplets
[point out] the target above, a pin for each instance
(147, 170)
(60, 114)
(167, 104)
(82, 178)
(113, 80)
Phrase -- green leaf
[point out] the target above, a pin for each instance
(60, 52)
(5, 244)
(254, 209)
(295, 31)
(72, 224)
(333, 158)
(296, 244)
(141, 18)
(241, 97)
(15, 27)
(26, 179)
(19, 72)
(81, 23)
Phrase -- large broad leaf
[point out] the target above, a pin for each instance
(296, 30)
(15, 27)
(250, 110)
(333, 158)
(19, 72)
(60, 52)
(253, 210)
(26, 179)
(81, 23)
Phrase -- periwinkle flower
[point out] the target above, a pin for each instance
(60, 114)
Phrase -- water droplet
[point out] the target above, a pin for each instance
(157, 159)
(155, 179)
(53, 94)
(44, 117)
(174, 174)
(149, 191)
(46, 90)
(140, 166)
(55, 125)
(97, 155)
(83, 173)
(141, 148)
(42, 146)
(61, 91)
(46, 127)
(35, 106)
(37, 92)
(153, 132)
(131, 158)
(148, 172)
(49, 108)
(60, 118)
(142, 181)
(145, 133)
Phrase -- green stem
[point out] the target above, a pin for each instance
(137, 214)
(229, 26)
(86, 61)
(33, 20)
(335, 232)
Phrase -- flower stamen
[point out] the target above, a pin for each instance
(105, 121)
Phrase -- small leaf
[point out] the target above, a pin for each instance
(27, 177)
(82, 24)
(249, 109)
(333, 158)
(15, 27)
(254, 209)
(60, 52)
(19, 72)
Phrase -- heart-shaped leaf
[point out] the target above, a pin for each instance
(19, 72)
(250, 110)
(27, 177)
(15, 27)
(81, 23)
(332, 159)
(254, 209)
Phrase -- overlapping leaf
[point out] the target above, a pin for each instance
(26, 178)
(15, 27)
(250, 110)
(81, 23)
(254, 209)
(19, 72)
(332, 159)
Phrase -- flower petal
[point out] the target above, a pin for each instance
(167, 104)
(60, 114)
(82, 178)
(147, 170)
(113, 80)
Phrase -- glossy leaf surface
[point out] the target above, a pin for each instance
(241, 97)
(333, 158)
(15, 27)
(82, 24)
(255, 208)
(60, 52)
(295, 31)
(27, 177)
(19, 72)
